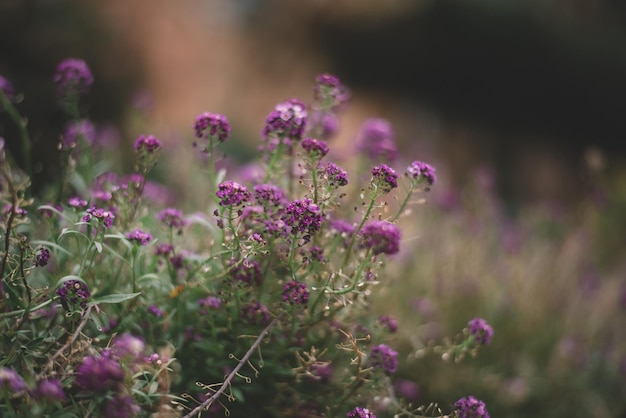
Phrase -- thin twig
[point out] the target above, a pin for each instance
(234, 372)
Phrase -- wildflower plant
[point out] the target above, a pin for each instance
(255, 306)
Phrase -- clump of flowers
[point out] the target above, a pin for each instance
(480, 330)
(42, 256)
(295, 293)
(384, 177)
(105, 216)
(385, 358)
(232, 193)
(381, 237)
(77, 132)
(99, 373)
(422, 172)
(6, 88)
(329, 91)
(211, 126)
(303, 217)
(11, 380)
(376, 140)
(359, 412)
(50, 390)
(139, 236)
(73, 77)
(314, 147)
(470, 407)
(287, 120)
(73, 294)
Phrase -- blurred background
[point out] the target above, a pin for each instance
(518, 103)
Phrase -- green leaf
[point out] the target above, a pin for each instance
(51, 245)
(114, 298)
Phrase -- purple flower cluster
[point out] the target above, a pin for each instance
(171, 217)
(315, 148)
(155, 310)
(324, 124)
(121, 406)
(256, 313)
(375, 139)
(329, 91)
(384, 177)
(147, 144)
(6, 88)
(302, 217)
(470, 407)
(139, 236)
(232, 193)
(336, 175)
(296, 293)
(104, 215)
(49, 390)
(99, 373)
(422, 172)
(42, 256)
(359, 412)
(211, 125)
(72, 293)
(77, 202)
(268, 194)
(384, 357)
(73, 76)
(321, 372)
(76, 131)
(11, 380)
(248, 272)
(342, 227)
(389, 321)
(210, 302)
(481, 331)
(381, 237)
(288, 119)
(128, 347)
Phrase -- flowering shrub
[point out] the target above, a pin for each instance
(256, 306)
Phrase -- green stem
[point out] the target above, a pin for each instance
(406, 200)
(358, 229)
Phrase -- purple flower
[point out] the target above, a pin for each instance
(342, 227)
(73, 293)
(77, 202)
(380, 236)
(324, 124)
(268, 194)
(389, 321)
(171, 217)
(99, 373)
(49, 390)
(384, 357)
(211, 302)
(321, 372)
(232, 193)
(148, 144)
(335, 175)
(303, 217)
(422, 172)
(314, 147)
(313, 253)
(163, 249)
(288, 119)
(9, 378)
(128, 347)
(139, 236)
(384, 177)
(375, 139)
(470, 407)
(248, 272)
(6, 88)
(359, 412)
(121, 406)
(73, 77)
(77, 131)
(211, 125)
(407, 389)
(155, 310)
(103, 215)
(296, 293)
(256, 313)
(329, 91)
(481, 331)
(42, 256)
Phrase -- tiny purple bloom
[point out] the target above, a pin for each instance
(232, 193)
(389, 321)
(422, 172)
(314, 147)
(384, 357)
(385, 177)
(248, 272)
(77, 131)
(268, 194)
(382, 237)
(72, 293)
(50, 390)
(256, 313)
(148, 144)
(296, 293)
(99, 373)
(481, 331)
(9, 378)
(303, 216)
(211, 125)
(336, 176)
(155, 310)
(375, 139)
(127, 346)
(6, 88)
(329, 91)
(73, 77)
(470, 407)
(77, 202)
(359, 412)
(171, 217)
(139, 236)
(288, 119)
(42, 256)
(103, 215)
(211, 302)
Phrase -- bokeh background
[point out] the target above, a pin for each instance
(519, 105)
